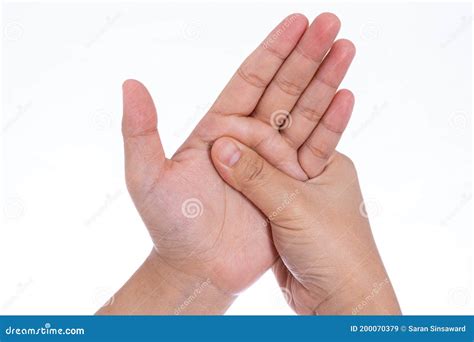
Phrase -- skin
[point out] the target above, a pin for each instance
(225, 242)
(329, 263)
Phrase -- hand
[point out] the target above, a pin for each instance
(202, 228)
(328, 258)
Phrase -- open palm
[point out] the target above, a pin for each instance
(282, 102)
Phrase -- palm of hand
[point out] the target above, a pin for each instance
(213, 231)
(197, 222)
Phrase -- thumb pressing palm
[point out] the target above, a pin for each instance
(328, 258)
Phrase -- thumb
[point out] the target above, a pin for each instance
(246, 171)
(144, 155)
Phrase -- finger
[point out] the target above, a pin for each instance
(316, 150)
(298, 69)
(263, 139)
(318, 95)
(144, 155)
(247, 172)
(242, 93)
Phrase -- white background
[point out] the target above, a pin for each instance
(70, 235)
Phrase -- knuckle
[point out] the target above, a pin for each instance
(309, 113)
(251, 77)
(288, 87)
(268, 46)
(319, 151)
(253, 171)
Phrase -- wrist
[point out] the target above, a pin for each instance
(160, 289)
(370, 292)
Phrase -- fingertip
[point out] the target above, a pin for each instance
(139, 112)
(283, 38)
(329, 19)
(297, 17)
(128, 82)
(134, 91)
(131, 84)
(320, 35)
(346, 47)
(348, 96)
(340, 111)
(344, 102)
(291, 28)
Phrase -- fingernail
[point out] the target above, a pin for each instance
(228, 153)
